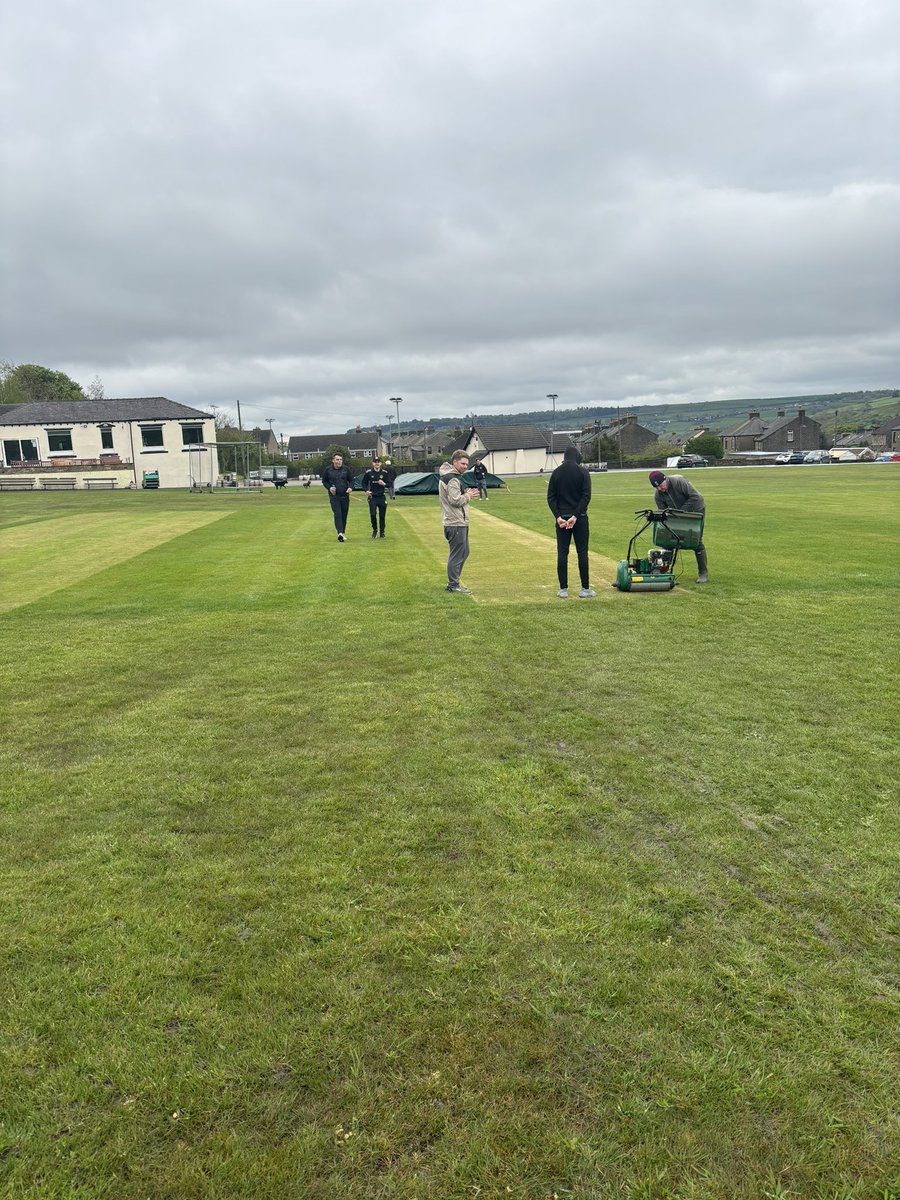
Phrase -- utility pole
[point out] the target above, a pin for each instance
(552, 397)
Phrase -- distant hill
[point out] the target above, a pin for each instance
(863, 409)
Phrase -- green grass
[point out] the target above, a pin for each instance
(319, 882)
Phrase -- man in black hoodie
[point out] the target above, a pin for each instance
(338, 479)
(569, 494)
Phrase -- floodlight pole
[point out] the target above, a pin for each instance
(552, 397)
(390, 418)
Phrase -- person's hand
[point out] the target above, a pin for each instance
(333, 491)
(570, 524)
(369, 495)
(561, 522)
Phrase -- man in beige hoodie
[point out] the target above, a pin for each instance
(455, 516)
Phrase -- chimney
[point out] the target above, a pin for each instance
(781, 412)
(801, 413)
(752, 415)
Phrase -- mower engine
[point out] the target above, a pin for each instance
(659, 562)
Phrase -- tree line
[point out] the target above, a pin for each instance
(29, 383)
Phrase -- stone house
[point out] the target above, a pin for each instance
(626, 431)
(797, 432)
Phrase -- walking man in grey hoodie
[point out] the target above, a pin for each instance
(455, 516)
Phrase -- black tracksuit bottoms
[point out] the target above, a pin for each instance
(564, 537)
(340, 506)
(377, 509)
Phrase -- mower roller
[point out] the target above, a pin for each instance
(673, 531)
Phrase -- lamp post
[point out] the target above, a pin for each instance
(552, 397)
(397, 401)
(390, 418)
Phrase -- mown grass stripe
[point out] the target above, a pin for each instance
(509, 564)
(67, 550)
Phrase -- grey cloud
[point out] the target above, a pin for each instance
(309, 207)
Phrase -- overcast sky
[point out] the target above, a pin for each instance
(311, 206)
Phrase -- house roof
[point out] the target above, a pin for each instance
(622, 423)
(888, 426)
(752, 427)
(518, 437)
(74, 412)
(783, 423)
(311, 442)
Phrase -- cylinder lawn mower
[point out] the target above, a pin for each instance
(672, 531)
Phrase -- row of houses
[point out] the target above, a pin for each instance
(117, 440)
(505, 449)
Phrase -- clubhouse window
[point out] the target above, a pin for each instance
(106, 437)
(191, 435)
(24, 450)
(152, 437)
(59, 441)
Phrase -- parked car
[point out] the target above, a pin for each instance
(817, 456)
(691, 460)
(888, 457)
(790, 459)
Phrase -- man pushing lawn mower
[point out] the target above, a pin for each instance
(676, 492)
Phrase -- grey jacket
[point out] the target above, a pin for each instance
(454, 501)
(680, 494)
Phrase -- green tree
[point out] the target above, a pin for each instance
(653, 455)
(707, 445)
(31, 384)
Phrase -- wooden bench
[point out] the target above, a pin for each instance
(97, 484)
(58, 485)
(17, 483)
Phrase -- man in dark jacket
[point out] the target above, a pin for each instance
(674, 491)
(338, 479)
(480, 473)
(569, 494)
(375, 486)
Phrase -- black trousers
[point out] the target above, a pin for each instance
(340, 506)
(580, 534)
(377, 510)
